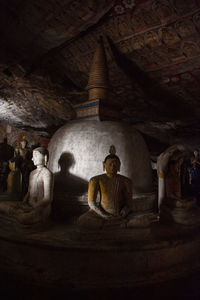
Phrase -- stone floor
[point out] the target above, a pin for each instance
(64, 259)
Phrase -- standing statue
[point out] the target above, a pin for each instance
(115, 195)
(162, 168)
(14, 181)
(26, 164)
(36, 206)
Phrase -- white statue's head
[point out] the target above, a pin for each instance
(40, 156)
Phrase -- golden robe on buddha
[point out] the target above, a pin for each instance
(115, 192)
(115, 196)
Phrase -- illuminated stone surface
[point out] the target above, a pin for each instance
(88, 143)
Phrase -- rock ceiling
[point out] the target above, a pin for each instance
(153, 54)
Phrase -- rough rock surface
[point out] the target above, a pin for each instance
(153, 51)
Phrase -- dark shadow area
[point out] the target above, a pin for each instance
(6, 153)
(166, 105)
(69, 190)
(155, 146)
(186, 288)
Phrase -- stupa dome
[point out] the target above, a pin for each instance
(87, 144)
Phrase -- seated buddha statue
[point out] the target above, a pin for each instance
(115, 195)
(36, 205)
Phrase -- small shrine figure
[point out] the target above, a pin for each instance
(26, 164)
(14, 182)
(36, 205)
(23, 148)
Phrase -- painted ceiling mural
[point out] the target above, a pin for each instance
(153, 54)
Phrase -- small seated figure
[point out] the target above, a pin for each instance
(36, 206)
(115, 195)
(178, 204)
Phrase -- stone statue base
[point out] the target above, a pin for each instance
(9, 224)
(10, 197)
(185, 212)
(108, 258)
(17, 216)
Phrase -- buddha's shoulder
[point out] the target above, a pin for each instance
(46, 172)
(98, 178)
(124, 179)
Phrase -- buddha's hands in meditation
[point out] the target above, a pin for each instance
(105, 215)
(124, 211)
(24, 208)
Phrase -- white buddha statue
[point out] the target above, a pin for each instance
(36, 205)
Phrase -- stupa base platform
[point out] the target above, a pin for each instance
(65, 255)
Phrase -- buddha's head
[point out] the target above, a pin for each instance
(112, 162)
(40, 156)
(23, 143)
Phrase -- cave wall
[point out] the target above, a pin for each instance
(14, 135)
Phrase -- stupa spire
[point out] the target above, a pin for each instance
(98, 83)
(99, 105)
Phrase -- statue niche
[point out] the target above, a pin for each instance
(178, 204)
(177, 178)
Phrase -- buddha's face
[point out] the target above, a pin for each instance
(112, 166)
(23, 144)
(38, 158)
